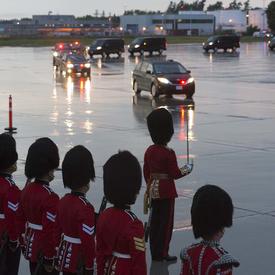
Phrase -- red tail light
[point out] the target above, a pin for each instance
(182, 82)
(81, 65)
(61, 46)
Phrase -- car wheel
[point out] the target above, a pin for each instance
(119, 54)
(233, 49)
(189, 96)
(135, 87)
(150, 53)
(141, 52)
(206, 51)
(131, 54)
(215, 49)
(160, 52)
(154, 91)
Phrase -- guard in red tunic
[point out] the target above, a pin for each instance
(120, 243)
(211, 212)
(9, 200)
(38, 206)
(75, 222)
(160, 170)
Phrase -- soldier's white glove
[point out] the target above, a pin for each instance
(186, 169)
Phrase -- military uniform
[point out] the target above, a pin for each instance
(9, 202)
(160, 170)
(207, 258)
(120, 243)
(75, 226)
(37, 213)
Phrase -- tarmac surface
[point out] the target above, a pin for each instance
(231, 133)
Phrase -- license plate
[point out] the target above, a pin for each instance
(178, 88)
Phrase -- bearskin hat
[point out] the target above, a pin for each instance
(122, 179)
(160, 126)
(211, 211)
(78, 167)
(8, 154)
(42, 157)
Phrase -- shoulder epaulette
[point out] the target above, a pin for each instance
(226, 260)
(184, 252)
(84, 200)
(130, 214)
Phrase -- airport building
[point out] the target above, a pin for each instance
(184, 23)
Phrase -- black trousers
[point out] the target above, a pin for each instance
(162, 222)
(9, 262)
(42, 270)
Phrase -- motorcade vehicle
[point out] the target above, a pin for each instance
(147, 44)
(263, 34)
(72, 47)
(223, 42)
(71, 63)
(163, 77)
(271, 44)
(106, 46)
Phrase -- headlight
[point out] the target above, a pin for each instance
(87, 65)
(55, 54)
(190, 80)
(70, 66)
(203, 43)
(163, 80)
(210, 43)
(136, 46)
(98, 48)
(128, 46)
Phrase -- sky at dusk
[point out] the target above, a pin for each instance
(26, 8)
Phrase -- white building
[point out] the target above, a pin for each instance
(186, 23)
(235, 20)
(258, 18)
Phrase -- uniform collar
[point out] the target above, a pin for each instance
(210, 243)
(5, 175)
(43, 182)
(78, 194)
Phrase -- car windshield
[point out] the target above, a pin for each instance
(169, 68)
(98, 43)
(137, 41)
(76, 59)
(211, 39)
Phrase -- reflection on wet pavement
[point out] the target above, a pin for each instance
(230, 125)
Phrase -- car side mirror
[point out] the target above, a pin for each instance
(148, 72)
(188, 71)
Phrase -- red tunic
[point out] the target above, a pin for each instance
(207, 258)
(37, 213)
(120, 243)
(162, 160)
(9, 202)
(75, 231)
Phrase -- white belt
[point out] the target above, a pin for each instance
(2, 216)
(71, 239)
(120, 255)
(35, 226)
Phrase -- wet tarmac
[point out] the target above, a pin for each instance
(231, 132)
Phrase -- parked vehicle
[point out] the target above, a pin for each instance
(106, 46)
(163, 77)
(223, 42)
(271, 44)
(147, 44)
(73, 64)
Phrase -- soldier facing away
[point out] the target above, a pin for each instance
(211, 212)
(75, 221)
(9, 201)
(120, 234)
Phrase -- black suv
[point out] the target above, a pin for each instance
(147, 44)
(163, 77)
(271, 44)
(224, 42)
(73, 64)
(107, 46)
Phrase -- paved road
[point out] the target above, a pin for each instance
(231, 131)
